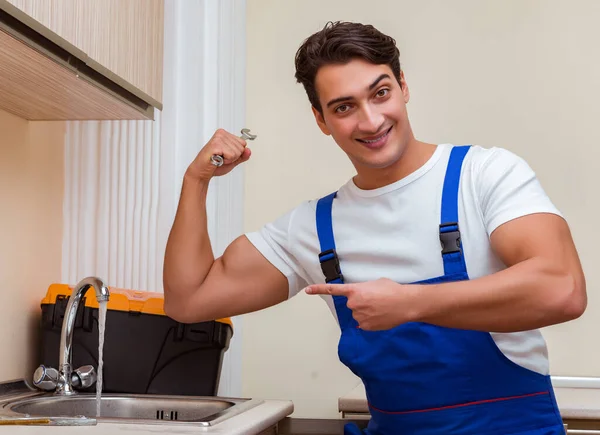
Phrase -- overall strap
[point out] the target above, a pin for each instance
(452, 253)
(330, 263)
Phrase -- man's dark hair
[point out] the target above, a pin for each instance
(339, 43)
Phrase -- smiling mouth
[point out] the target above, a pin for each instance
(377, 138)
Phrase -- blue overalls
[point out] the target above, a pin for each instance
(423, 379)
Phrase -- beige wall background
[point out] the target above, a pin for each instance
(520, 74)
(31, 193)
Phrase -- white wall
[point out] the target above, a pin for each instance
(520, 74)
(31, 194)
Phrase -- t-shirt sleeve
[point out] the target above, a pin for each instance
(272, 241)
(508, 188)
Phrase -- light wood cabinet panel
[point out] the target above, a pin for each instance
(45, 89)
(123, 36)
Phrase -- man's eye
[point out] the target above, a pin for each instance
(342, 109)
(382, 92)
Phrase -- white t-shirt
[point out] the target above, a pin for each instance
(393, 231)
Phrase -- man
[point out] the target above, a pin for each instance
(439, 262)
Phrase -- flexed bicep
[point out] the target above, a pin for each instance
(242, 280)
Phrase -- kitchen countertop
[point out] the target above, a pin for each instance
(573, 403)
(251, 422)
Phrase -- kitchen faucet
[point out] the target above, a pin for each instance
(64, 379)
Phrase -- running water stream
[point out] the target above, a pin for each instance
(101, 327)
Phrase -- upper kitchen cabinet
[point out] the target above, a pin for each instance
(81, 59)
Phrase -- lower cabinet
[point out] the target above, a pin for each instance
(582, 427)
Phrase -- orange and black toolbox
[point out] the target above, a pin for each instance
(145, 352)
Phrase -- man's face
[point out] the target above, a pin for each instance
(364, 110)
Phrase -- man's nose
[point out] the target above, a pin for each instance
(371, 120)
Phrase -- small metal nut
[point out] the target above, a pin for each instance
(217, 160)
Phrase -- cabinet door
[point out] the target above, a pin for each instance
(123, 36)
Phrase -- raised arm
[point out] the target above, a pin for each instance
(197, 287)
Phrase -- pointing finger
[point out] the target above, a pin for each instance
(328, 289)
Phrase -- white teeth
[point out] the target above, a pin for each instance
(374, 140)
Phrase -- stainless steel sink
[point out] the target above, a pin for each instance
(139, 409)
(21, 403)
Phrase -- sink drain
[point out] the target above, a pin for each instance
(166, 415)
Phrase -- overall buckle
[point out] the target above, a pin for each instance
(330, 265)
(450, 237)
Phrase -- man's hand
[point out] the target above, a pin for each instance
(231, 147)
(375, 305)
(542, 285)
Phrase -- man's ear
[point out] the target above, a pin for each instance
(404, 86)
(321, 121)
